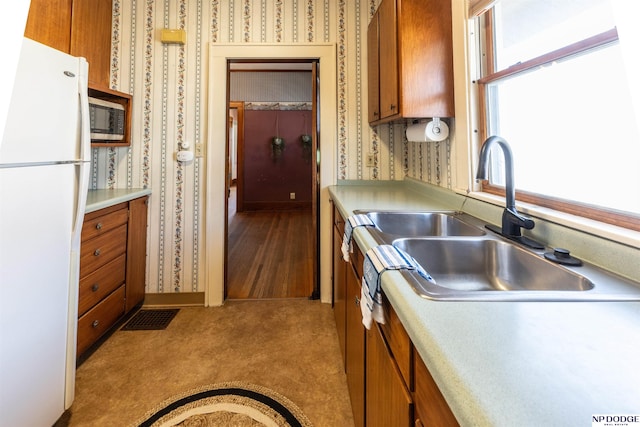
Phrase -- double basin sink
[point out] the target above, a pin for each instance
(469, 262)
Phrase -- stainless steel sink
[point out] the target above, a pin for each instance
(419, 224)
(496, 270)
(490, 265)
(469, 263)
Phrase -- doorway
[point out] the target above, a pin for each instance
(271, 231)
(216, 195)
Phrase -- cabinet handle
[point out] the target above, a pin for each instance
(376, 114)
(96, 252)
(99, 226)
(95, 323)
(95, 287)
(393, 107)
(357, 302)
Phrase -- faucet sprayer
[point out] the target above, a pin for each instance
(512, 220)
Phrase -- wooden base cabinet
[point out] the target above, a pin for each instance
(355, 348)
(339, 282)
(431, 409)
(389, 384)
(388, 401)
(112, 269)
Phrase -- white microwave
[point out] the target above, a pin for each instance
(107, 120)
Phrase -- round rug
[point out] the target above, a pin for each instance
(227, 404)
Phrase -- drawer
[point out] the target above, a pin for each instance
(97, 252)
(99, 319)
(398, 341)
(100, 222)
(101, 283)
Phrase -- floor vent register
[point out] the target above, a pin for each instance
(150, 320)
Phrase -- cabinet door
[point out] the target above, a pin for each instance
(431, 408)
(373, 68)
(49, 22)
(355, 347)
(91, 38)
(136, 252)
(339, 291)
(388, 37)
(388, 402)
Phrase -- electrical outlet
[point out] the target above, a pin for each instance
(292, 196)
(370, 160)
(199, 150)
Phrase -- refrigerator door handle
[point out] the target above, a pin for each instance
(85, 119)
(82, 183)
(85, 151)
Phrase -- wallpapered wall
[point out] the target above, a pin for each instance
(169, 87)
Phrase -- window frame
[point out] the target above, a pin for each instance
(489, 75)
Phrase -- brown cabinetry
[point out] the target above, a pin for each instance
(431, 409)
(339, 282)
(78, 27)
(81, 28)
(410, 61)
(389, 384)
(91, 38)
(355, 335)
(49, 22)
(112, 268)
(346, 309)
(388, 401)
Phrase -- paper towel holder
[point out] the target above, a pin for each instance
(426, 130)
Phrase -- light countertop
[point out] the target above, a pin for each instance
(511, 363)
(100, 199)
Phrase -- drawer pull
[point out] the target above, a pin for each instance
(99, 226)
(95, 323)
(95, 287)
(96, 252)
(357, 302)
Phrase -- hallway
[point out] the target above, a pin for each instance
(270, 254)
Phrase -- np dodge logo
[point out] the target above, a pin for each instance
(615, 420)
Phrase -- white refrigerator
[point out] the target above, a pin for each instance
(44, 171)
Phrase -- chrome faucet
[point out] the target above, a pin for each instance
(512, 220)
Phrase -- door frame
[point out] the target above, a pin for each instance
(239, 107)
(215, 195)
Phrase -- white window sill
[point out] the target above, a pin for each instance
(596, 228)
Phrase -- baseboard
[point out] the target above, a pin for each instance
(174, 299)
(276, 206)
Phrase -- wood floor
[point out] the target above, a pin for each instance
(270, 255)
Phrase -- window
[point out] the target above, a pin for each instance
(555, 86)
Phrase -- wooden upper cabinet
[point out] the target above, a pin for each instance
(388, 59)
(91, 38)
(49, 22)
(78, 27)
(413, 41)
(373, 68)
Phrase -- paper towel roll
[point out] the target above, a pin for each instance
(434, 130)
